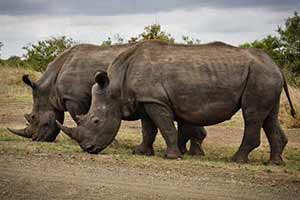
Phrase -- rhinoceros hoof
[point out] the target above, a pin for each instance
(142, 150)
(240, 159)
(173, 154)
(276, 161)
(196, 152)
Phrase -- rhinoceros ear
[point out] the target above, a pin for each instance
(27, 81)
(102, 79)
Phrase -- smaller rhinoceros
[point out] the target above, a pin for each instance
(200, 85)
(66, 86)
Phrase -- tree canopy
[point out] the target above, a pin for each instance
(284, 48)
(39, 55)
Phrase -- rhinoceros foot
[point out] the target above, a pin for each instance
(240, 158)
(173, 154)
(143, 150)
(196, 151)
(276, 161)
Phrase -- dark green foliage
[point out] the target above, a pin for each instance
(39, 55)
(153, 32)
(15, 61)
(290, 43)
(117, 39)
(270, 45)
(107, 43)
(190, 40)
(285, 48)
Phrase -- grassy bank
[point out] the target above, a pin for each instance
(217, 156)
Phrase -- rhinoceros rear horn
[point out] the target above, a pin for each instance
(102, 79)
(71, 132)
(27, 81)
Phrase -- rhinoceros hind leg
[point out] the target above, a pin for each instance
(163, 119)
(149, 131)
(251, 140)
(276, 137)
(196, 134)
(196, 149)
(197, 140)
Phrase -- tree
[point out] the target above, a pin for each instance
(290, 43)
(190, 40)
(285, 48)
(39, 55)
(117, 39)
(106, 43)
(271, 45)
(153, 32)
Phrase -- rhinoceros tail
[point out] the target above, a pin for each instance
(286, 90)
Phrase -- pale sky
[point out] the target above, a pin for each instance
(92, 21)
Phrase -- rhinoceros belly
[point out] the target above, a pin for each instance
(205, 95)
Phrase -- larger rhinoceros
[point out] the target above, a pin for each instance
(201, 85)
(66, 86)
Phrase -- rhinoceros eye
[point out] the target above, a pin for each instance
(95, 120)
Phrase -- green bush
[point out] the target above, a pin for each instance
(39, 55)
(190, 40)
(153, 32)
(284, 48)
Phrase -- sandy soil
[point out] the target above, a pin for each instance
(53, 177)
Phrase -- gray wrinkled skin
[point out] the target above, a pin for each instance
(66, 86)
(201, 85)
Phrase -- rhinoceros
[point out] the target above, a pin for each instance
(199, 85)
(66, 86)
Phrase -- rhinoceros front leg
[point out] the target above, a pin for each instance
(195, 133)
(149, 131)
(163, 119)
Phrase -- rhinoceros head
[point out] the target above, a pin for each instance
(41, 124)
(98, 128)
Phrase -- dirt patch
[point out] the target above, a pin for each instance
(34, 177)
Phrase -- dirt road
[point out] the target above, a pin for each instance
(55, 177)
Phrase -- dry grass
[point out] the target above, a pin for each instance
(217, 156)
(284, 116)
(12, 86)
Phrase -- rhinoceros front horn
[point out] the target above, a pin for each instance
(71, 132)
(20, 132)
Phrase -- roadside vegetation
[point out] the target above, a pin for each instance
(284, 48)
(217, 156)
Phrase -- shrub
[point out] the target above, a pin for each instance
(39, 55)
